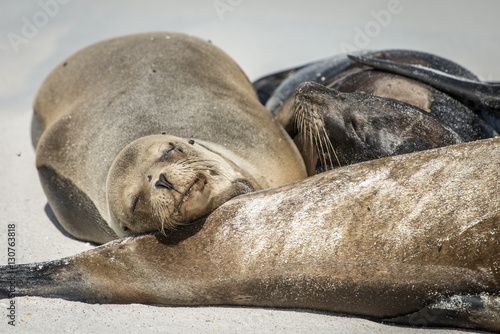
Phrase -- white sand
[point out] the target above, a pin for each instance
(262, 38)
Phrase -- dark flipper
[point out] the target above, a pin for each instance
(476, 94)
(38, 279)
(467, 311)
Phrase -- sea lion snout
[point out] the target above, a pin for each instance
(163, 182)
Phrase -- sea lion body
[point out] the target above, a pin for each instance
(372, 124)
(411, 238)
(117, 93)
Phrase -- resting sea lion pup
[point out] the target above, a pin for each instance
(411, 238)
(102, 158)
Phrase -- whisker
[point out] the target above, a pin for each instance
(311, 128)
(330, 146)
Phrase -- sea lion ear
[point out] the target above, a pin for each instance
(476, 94)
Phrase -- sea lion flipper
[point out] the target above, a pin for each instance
(82, 221)
(106, 274)
(465, 310)
(479, 95)
(35, 279)
(321, 71)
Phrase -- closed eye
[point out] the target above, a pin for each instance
(171, 148)
(134, 203)
(165, 154)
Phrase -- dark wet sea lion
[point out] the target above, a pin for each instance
(411, 238)
(340, 129)
(370, 123)
(104, 164)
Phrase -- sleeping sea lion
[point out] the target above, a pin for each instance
(411, 239)
(152, 131)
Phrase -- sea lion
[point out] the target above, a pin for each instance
(152, 131)
(366, 114)
(410, 238)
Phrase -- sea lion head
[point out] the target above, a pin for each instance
(162, 182)
(336, 128)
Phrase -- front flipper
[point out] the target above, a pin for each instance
(476, 94)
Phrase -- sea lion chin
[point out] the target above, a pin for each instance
(162, 182)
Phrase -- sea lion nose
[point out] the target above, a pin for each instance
(163, 182)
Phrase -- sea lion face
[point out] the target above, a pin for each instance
(162, 182)
(346, 128)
